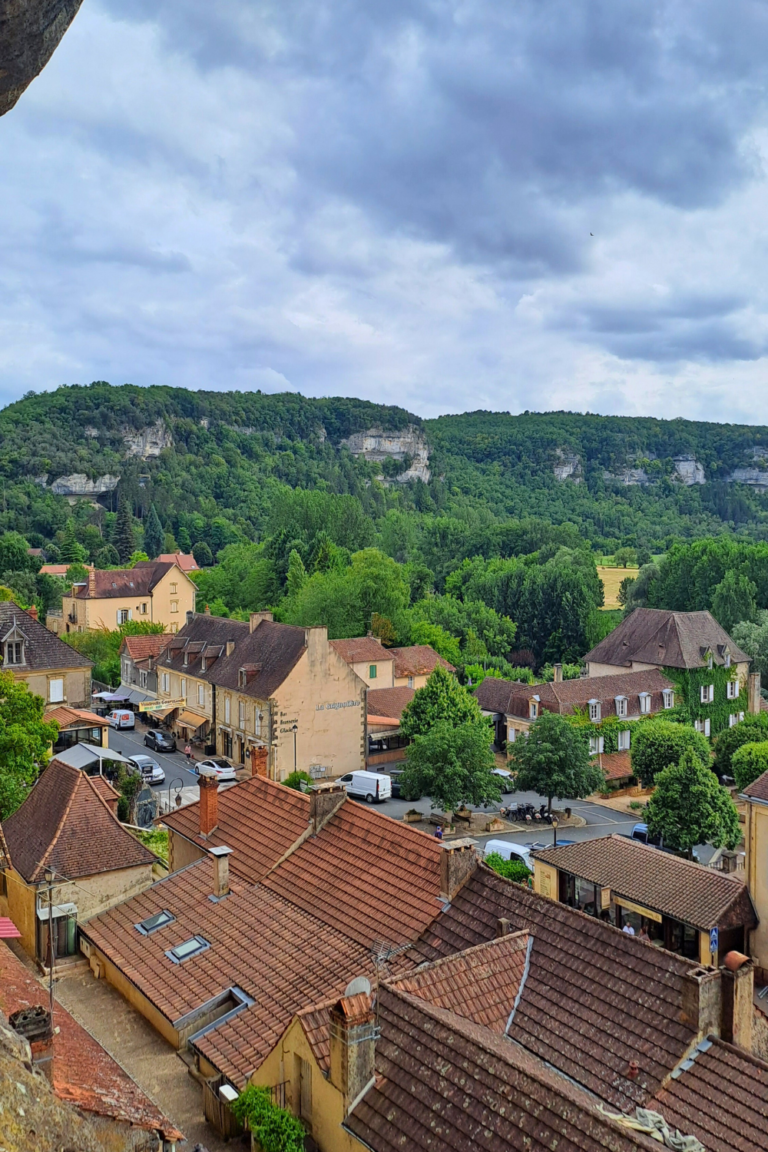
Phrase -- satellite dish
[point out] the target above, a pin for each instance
(357, 986)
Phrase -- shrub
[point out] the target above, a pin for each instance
(749, 762)
(509, 869)
(295, 780)
(274, 1128)
(659, 743)
(752, 729)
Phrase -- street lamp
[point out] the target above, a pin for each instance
(554, 830)
(294, 730)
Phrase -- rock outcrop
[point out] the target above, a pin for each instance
(78, 484)
(30, 31)
(411, 444)
(567, 466)
(689, 471)
(149, 442)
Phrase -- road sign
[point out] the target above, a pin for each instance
(161, 705)
(714, 940)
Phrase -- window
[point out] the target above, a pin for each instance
(707, 693)
(372, 670)
(201, 694)
(702, 726)
(257, 722)
(668, 697)
(241, 715)
(533, 709)
(624, 739)
(710, 659)
(184, 686)
(174, 627)
(166, 682)
(596, 745)
(594, 710)
(727, 661)
(142, 679)
(732, 689)
(242, 678)
(185, 658)
(226, 709)
(174, 605)
(645, 703)
(152, 923)
(174, 588)
(511, 735)
(56, 690)
(143, 608)
(123, 615)
(733, 719)
(188, 949)
(621, 706)
(14, 652)
(410, 681)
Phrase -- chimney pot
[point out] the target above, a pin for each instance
(457, 863)
(753, 693)
(558, 673)
(220, 857)
(209, 804)
(32, 611)
(190, 616)
(324, 801)
(353, 1046)
(502, 927)
(738, 988)
(91, 582)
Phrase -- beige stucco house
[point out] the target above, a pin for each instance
(50, 667)
(368, 659)
(159, 593)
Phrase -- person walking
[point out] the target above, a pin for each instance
(188, 753)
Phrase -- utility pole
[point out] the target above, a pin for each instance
(295, 730)
(51, 950)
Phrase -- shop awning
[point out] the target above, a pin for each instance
(8, 930)
(161, 713)
(191, 720)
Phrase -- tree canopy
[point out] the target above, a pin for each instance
(658, 743)
(553, 760)
(453, 765)
(748, 762)
(25, 739)
(441, 699)
(753, 728)
(690, 807)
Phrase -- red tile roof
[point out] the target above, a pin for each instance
(758, 789)
(721, 1097)
(184, 560)
(67, 717)
(584, 975)
(361, 650)
(667, 639)
(512, 697)
(122, 582)
(65, 824)
(616, 765)
(389, 702)
(418, 660)
(84, 1074)
(141, 647)
(667, 884)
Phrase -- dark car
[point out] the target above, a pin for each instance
(160, 741)
(396, 775)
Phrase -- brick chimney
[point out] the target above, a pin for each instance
(558, 674)
(753, 693)
(353, 1046)
(91, 582)
(324, 800)
(32, 612)
(257, 617)
(738, 985)
(260, 760)
(702, 1002)
(209, 803)
(457, 863)
(220, 858)
(35, 1025)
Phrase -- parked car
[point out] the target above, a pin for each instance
(368, 786)
(151, 772)
(510, 851)
(640, 832)
(506, 779)
(160, 741)
(121, 718)
(218, 765)
(395, 776)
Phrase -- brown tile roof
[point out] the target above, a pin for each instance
(584, 975)
(204, 637)
(371, 877)
(106, 791)
(668, 639)
(141, 647)
(122, 582)
(418, 660)
(274, 648)
(565, 696)
(362, 650)
(65, 824)
(277, 953)
(258, 819)
(42, 649)
(616, 765)
(66, 716)
(183, 560)
(444, 1082)
(721, 1097)
(84, 1074)
(389, 701)
(679, 888)
(758, 789)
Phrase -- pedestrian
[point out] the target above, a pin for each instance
(188, 753)
(628, 930)
(439, 832)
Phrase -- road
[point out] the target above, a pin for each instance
(130, 742)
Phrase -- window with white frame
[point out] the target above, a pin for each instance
(14, 652)
(621, 706)
(184, 686)
(623, 743)
(732, 689)
(201, 694)
(668, 696)
(594, 710)
(703, 726)
(410, 681)
(174, 605)
(645, 703)
(727, 661)
(241, 714)
(123, 615)
(257, 722)
(707, 693)
(166, 682)
(733, 719)
(227, 710)
(56, 690)
(511, 735)
(142, 679)
(596, 745)
(710, 661)
(533, 709)
(143, 608)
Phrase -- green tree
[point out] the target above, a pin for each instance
(137, 557)
(624, 592)
(752, 637)
(734, 600)
(554, 760)
(14, 552)
(453, 765)
(509, 869)
(626, 557)
(107, 557)
(183, 540)
(154, 536)
(297, 574)
(689, 807)
(25, 738)
(749, 762)
(202, 554)
(752, 729)
(76, 574)
(436, 637)
(441, 698)
(70, 551)
(658, 743)
(298, 780)
(123, 538)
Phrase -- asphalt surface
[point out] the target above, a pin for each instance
(130, 742)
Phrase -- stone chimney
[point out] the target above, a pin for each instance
(257, 617)
(502, 927)
(324, 800)
(315, 633)
(738, 986)
(209, 803)
(753, 693)
(702, 1002)
(190, 616)
(32, 612)
(220, 857)
(730, 860)
(230, 647)
(558, 674)
(207, 610)
(91, 582)
(260, 760)
(457, 863)
(353, 1046)
(35, 1025)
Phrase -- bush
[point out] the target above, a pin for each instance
(295, 780)
(274, 1128)
(509, 869)
(658, 743)
(749, 762)
(752, 729)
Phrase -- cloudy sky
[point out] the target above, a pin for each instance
(446, 204)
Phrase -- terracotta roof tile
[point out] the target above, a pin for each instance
(389, 701)
(183, 560)
(84, 1074)
(616, 765)
(678, 888)
(758, 789)
(362, 650)
(668, 639)
(513, 698)
(66, 717)
(583, 972)
(418, 660)
(141, 647)
(65, 824)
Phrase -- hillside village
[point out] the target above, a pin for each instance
(273, 947)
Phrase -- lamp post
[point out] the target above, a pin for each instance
(294, 730)
(554, 830)
(49, 882)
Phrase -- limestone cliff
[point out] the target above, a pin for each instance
(410, 444)
(149, 442)
(30, 31)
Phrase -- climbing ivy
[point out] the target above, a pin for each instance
(608, 728)
(276, 1129)
(688, 685)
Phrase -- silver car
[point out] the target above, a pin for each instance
(151, 772)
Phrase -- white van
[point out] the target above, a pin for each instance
(369, 786)
(122, 718)
(509, 851)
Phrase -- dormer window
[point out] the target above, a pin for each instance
(14, 652)
(710, 661)
(668, 697)
(645, 703)
(727, 660)
(533, 708)
(242, 678)
(621, 706)
(594, 711)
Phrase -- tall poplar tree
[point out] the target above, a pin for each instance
(154, 537)
(123, 539)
